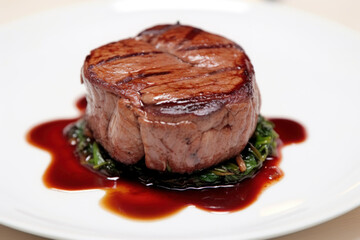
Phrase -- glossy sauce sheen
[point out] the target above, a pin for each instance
(133, 200)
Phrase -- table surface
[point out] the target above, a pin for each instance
(346, 12)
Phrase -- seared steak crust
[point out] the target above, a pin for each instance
(184, 98)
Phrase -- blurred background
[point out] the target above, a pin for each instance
(342, 12)
(346, 12)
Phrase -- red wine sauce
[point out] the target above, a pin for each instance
(133, 200)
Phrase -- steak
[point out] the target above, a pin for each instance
(183, 98)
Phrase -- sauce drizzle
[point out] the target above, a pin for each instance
(135, 201)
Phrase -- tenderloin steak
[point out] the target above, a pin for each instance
(183, 98)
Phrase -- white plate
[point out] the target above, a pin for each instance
(307, 69)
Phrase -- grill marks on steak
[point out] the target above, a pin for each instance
(179, 52)
(183, 97)
(117, 57)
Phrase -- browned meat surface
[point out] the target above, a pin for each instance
(184, 98)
